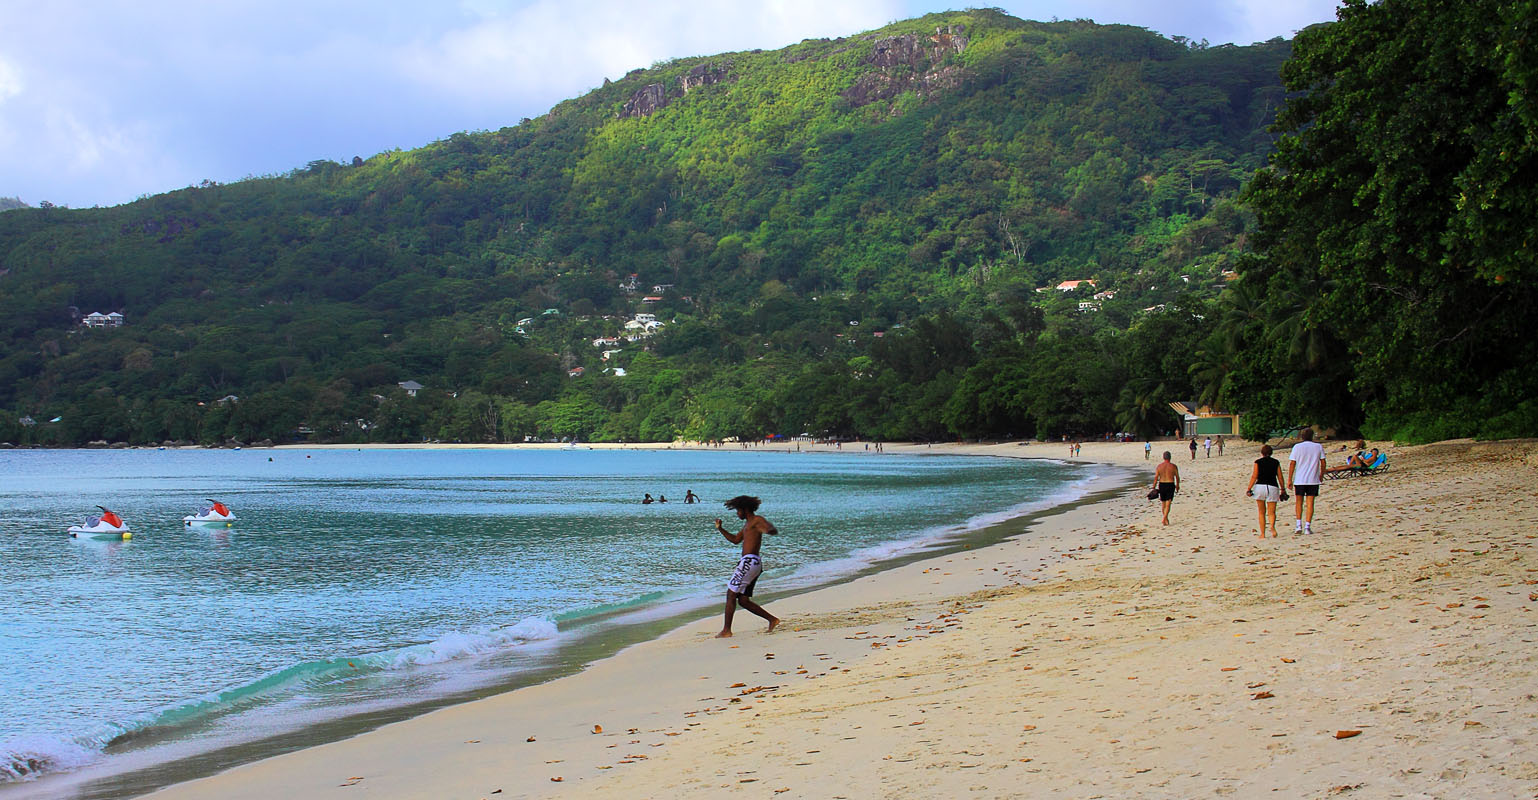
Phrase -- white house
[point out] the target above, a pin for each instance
(411, 387)
(608, 353)
(645, 318)
(96, 319)
(605, 341)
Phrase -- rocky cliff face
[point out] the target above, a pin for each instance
(654, 97)
(704, 75)
(909, 62)
(649, 100)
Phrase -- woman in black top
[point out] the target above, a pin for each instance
(1267, 486)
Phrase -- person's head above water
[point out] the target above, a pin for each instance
(744, 505)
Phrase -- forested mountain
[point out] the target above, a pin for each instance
(852, 236)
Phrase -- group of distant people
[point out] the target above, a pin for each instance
(1207, 444)
(690, 498)
(1267, 484)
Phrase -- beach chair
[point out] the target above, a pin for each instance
(1379, 467)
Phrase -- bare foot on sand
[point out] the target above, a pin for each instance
(773, 623)
(724, 635)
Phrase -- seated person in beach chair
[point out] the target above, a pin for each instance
(1358, 460)
(1367, 464)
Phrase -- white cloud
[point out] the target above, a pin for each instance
(10, 81)
(552, 50)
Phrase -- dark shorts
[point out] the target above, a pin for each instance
(1305, 489)
(1166, 492)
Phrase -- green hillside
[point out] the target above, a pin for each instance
(851, 234)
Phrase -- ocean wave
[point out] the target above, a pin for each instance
(27, 756)
(459, 644)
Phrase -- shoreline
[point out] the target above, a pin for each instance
(590, 644)
(1023, 531)
(1174, 661)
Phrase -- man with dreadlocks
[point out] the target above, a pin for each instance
(750, 566)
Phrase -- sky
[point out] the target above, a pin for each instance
(105, 101)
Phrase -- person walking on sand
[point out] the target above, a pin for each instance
(1193, 448)
(1267, 488)
(1147, 448)
(1208, 445)
(1220, 447)
(1305, 467)
(750, 565)
(1167, 481)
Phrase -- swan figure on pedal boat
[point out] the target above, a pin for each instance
(107, 526)
(216, 513)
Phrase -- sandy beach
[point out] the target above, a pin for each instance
(1390, 654)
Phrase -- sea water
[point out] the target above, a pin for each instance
(364, 585)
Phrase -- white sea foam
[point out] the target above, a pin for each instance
(26, 757)
(458, 644)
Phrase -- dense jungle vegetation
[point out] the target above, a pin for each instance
(853, 237)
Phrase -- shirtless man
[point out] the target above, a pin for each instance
(1167, 481)
(740, 587)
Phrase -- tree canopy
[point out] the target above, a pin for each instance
(1395, 269)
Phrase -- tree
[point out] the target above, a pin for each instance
(1396, 221)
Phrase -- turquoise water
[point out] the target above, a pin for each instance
(355, 582)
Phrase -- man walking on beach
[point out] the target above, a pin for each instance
(1305, 468)
(750, 565)
(1167, 481)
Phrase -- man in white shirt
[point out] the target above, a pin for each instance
(1305, 468)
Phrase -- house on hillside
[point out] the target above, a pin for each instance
(661, 288)
(606, 341)
(1199, 420)
(1068, 286)
(652, 298)
(411, 387)
(96, 319)
(575, 372)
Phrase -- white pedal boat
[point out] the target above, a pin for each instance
(216, 514)
(107, 526)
